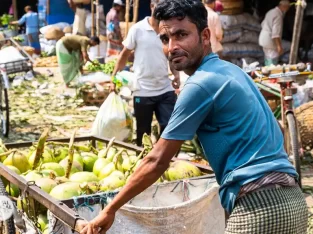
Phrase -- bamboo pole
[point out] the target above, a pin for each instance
(14, 5)
(98, 24)
(135, 10)
(297, 31)
(92, 18)
(127, 17)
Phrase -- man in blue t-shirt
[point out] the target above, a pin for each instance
(31, 20)
(240, 136)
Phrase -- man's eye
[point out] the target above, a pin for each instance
(164, 40)
(180, 35)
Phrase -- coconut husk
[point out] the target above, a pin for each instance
(68, 29)
(54, 33)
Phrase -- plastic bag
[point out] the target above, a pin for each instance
(113, 119)
(126, 78)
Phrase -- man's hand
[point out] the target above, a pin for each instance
(280, 50)
(100, 224)
(176, 83)
(112, 87)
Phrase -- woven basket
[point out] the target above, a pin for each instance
(304, 116)
(94, 97)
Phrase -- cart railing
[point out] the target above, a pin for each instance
(62, 209)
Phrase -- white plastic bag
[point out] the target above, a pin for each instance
(113, 119)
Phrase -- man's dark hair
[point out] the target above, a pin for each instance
(95, 39)
(28, 8)
(193, 9)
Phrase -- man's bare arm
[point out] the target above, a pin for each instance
(122, 60)
(278, 44)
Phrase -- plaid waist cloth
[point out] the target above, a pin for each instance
(272, 211)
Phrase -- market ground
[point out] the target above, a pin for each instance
(62, 113)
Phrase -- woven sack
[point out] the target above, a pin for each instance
(304, 116)
(54, 33)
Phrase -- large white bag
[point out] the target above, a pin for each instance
(113, 119)
(190, 207)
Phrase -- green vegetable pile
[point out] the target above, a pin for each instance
(6, 20)
(107, 68)
(18, 39)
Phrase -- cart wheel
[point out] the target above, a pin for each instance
(6, 227)
(4, 112)
(293, 146)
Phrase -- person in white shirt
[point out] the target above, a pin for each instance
(154, 90)
(215, 26)
(271, 33)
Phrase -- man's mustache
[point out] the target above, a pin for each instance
(176, 54)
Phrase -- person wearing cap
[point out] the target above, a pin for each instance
(114, 34)
(32, 28)
(215, 26)
(271, 34)
(154, 92)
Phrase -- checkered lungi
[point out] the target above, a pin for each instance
(270, 211)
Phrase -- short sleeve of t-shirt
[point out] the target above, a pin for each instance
(192, 108)
(130, 41)
(84, 44)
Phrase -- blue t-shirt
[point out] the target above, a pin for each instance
(239, 134)
(32, 22)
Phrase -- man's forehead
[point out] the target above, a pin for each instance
(173, 25)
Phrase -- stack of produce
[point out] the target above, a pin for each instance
(66, 170)
(47, 62)
(241, 38)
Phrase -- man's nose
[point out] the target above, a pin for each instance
(172, 46)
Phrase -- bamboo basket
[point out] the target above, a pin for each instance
(93, 97)
(304, 116)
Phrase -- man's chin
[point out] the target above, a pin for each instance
(178, 66)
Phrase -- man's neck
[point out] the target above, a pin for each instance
(154, 24)
(192, 70)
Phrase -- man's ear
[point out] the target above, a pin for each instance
(206, 35)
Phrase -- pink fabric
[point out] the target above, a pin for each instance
(218, 6)
(11, 11)
(112, 16)
(215, 26)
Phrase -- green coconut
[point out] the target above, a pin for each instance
(102, 153)
(17, 160)
(57, 168)
(46, 157)
(89, 160)
(61, 154)
(76, 166)
(133, 159)
(99, 165)
(119, 174)
(65, 191)
(1, 152)
(12, 168)
(179, 170)
(33, 176)
(13, 190)
(61, 180)
(83, 176)
(126, 165)
(111, 183)
(47, 173)
(43, 221)
(46, 184)
(107, 170)
(111, 153)
(46, 231)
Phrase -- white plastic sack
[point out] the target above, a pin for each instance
(128, 79)
(232, 35)
(10, 54)
(93, 51)
(97, 77)
(112, 119)
(245, 21)
(164, 209)
(60, 25)
(249, 37)
(237, 50)
(304, 94)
